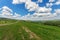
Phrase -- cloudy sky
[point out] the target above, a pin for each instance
(30, 9)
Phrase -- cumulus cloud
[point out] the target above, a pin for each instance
(57, 11)
(20, 1)
(40, 1)
(43, 10)
(15, 2)
(31, 6)
(49, 4)
(16, 15)
(41, 13)
(6, 12)
(26, 16)
(51, 0)
(57, 2)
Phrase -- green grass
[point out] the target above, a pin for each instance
(16, 32)
(46, 32)
(6, 21)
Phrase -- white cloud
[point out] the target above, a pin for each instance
(57, 11)
(51, 0)
(49, 4)
(57, 2)
(43, 16)
(40, 16)
(40, 1)
(26, 16)
(31, 6)
(43, 9)
(24, 1)
(41, 13)
(16, 15)
(6, 12)
(6, 8)
(20, 1)
(15, 2)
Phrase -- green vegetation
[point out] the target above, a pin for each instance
(6, 21)
(27, 30)
(53, 23)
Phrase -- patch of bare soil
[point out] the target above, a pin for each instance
(32, 35)
(8, 36)
(5, 37)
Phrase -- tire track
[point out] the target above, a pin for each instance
(8, 24)
(32, 35)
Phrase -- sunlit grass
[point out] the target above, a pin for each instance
(16, 32)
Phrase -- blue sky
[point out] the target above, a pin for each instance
(22, 10)
(19, 8)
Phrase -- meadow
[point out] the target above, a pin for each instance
(28, 30)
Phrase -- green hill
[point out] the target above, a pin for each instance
(27, 30)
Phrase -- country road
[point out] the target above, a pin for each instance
(9, 23)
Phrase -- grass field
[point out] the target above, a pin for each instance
(27, 30)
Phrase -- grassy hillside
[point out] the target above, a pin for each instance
(26, 30)
(6, 21)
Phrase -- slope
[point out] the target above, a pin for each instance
(26, 30)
